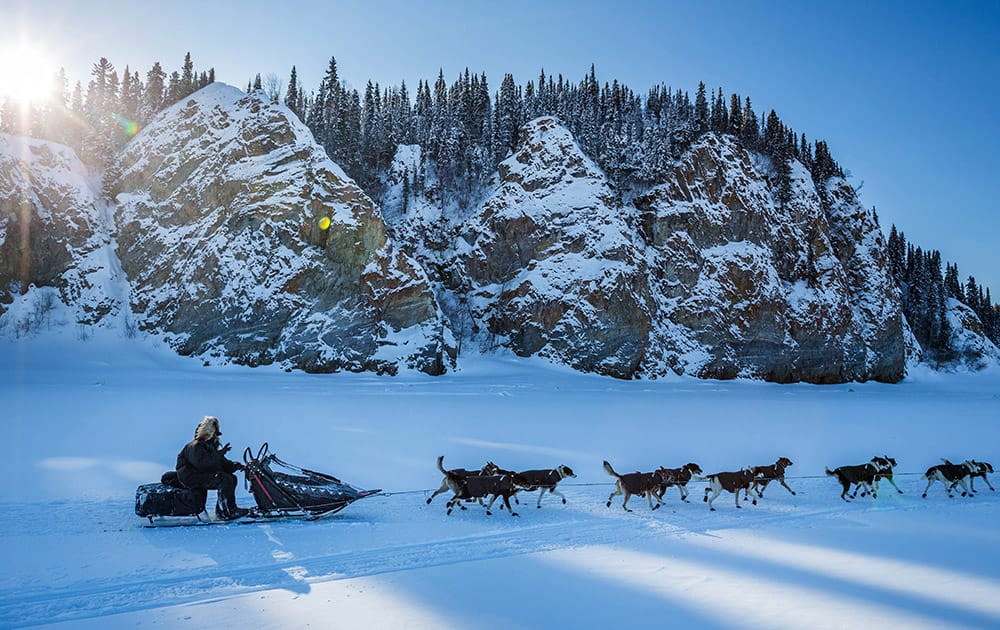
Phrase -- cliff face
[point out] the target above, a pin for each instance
(55, 240)
(234, 237)
(244, 242)
(552, 267)
(785, 292)
(706, 273)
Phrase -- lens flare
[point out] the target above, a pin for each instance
(130, 127)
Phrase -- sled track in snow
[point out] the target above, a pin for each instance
(115, 596)
(585, 521)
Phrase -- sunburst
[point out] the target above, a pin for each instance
(26, 73)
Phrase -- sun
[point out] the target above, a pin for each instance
(26, 73)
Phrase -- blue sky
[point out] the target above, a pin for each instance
(905, 93)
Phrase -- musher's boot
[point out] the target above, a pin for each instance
(231, 515)
(236, 513)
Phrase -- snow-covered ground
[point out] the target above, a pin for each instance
(86, 422)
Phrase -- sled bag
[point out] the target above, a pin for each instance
(157, 499)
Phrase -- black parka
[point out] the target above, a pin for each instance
(199, 457)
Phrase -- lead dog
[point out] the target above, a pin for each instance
(732, 482)
(642, 484)
(488, 469)
(979, 470)
(543, 480)
(677, 477)
(949, 475)
(767, 474)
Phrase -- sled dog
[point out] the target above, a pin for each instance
(677, 477)
(485, 470)
(949, 475)
(766, 474)
(478, 487)
(543, 480)
(731, 482)
(641, 484)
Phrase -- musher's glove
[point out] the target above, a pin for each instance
(225, 449)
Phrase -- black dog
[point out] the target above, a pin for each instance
(949, 475)
(979, 469)
(863, 475)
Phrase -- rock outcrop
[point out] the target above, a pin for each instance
(784, 292)
(552, 266)
(234, 237)
(54, 240)
(244, 242)
(706, 273)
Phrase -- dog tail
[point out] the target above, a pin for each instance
(441, 465)
(830, 472)
(611, 471)
(945, 460)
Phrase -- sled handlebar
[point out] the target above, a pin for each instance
(261, 453)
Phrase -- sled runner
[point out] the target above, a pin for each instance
(281, 489)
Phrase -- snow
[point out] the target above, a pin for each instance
(87, 421)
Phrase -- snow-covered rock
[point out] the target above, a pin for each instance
(57, 262)
(968, 344)
(244, 242)
(552, 266)
(236, 239)
(785, 292)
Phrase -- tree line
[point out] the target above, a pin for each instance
(926, 288)
(97, 121)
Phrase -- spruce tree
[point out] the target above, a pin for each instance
(292, 94)
(187, 83)
(701, 109)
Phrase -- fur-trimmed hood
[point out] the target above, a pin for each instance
(207, 429)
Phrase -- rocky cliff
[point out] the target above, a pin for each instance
(233, 236)
(784, 291)
(56, 248)
(706, 273)
(243, 241)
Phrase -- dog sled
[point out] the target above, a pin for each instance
(281, 491)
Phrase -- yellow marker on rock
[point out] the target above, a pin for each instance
(324, 223)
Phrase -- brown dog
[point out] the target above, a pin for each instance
(767, 474)
(731, 482)
(643, 484)
(543, 480)
(478, 487)
(488, 469)
(677, 477)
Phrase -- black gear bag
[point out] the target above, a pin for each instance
(158, 499)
